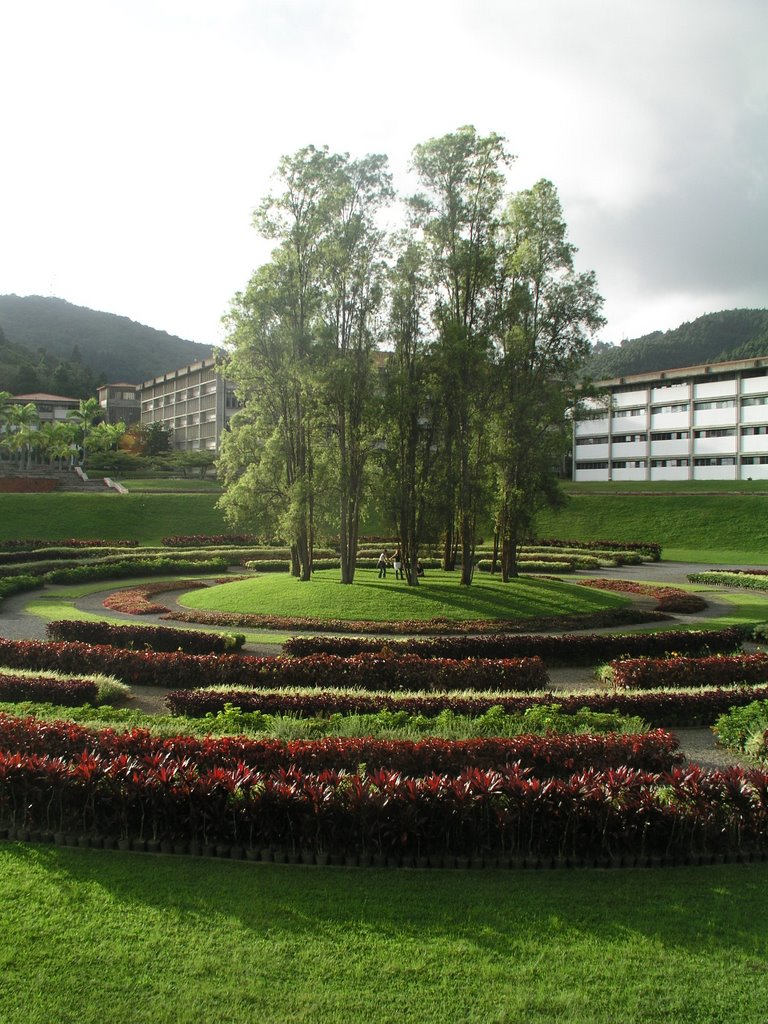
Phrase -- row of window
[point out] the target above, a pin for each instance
(674, 435)
(723, 460)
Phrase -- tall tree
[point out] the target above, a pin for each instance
(545, 315)
(459, 212)
(353, 276)
(410, 453)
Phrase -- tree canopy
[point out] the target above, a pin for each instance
(425, 371)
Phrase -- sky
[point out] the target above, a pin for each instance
(138, 136)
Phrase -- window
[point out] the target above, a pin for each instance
(621, 413)
(601, 439)
(677, 407)
(723, 403)
(755, 460)
(724, 432)
(761, 400)
(715, 461)
(670, 435)
(752, 431)
(629, 464)
(591, 465)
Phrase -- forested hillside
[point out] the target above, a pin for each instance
(730, 334)
(52, 345)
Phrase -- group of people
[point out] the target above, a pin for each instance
(396, 561)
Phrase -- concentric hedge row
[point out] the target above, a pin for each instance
(367, 672)
(647, 673)
(661, 708)
(571, 649)
(155, 638)
(481, 814)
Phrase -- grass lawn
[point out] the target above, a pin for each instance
(90, 937)
(439, 595)
(143, 517)
(154, 485)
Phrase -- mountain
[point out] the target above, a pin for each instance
(713, 338)
(43, 334)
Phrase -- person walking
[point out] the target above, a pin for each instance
(382, 565)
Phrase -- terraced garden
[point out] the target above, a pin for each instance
(344, 756)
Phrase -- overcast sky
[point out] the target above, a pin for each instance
(139, 135)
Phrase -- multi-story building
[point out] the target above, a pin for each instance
(120, 403)
(50, 408)
(195, 402)
(707, 422)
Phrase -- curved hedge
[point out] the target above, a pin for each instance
(156, 638)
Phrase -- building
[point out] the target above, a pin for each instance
(195, 402)
(707, 422)
(50, 408)
(120, 403)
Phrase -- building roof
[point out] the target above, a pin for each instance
(119, 384)
(42, 396)
(682, 372)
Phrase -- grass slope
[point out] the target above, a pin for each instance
(143, 517)
(90, 937)
(695, 526)
(439, 595)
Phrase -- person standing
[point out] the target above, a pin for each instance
(382, 565)
(397, 562)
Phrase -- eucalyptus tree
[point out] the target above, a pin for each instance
(353, 284)
(545, 315)
(459, 213)
(301, 339)
(410, 453)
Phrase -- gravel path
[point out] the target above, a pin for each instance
(698, 744)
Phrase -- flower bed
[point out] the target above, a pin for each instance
(721, 670)
(576, 649)
(661, 708)
(670, 599)
(135, 600)
(28, 544)
(587, 620)
(367, 672)
(651, 550)
(156, 638)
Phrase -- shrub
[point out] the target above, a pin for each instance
(156, 638)
(571, 649)
(743, 579)
(745, 728)
(47, 688)
(677, 673)
(142, 668)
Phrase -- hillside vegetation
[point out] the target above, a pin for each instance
(716, 337)
(112, 347)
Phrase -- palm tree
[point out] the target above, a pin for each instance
(84, 418)
(23, 423)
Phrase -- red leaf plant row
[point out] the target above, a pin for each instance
(544, 755)
(482, 815)
(670, 599)
(70, 693)
(588, 620)
(136, 600)
(72, 542)
(662, 708)
(569, 649)
(678, 673)
(156, 638)
(364, 672)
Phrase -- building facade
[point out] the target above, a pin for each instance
(50, 408)
(707, 422)
(120, 403)
(195, 402)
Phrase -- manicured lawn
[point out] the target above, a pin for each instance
(90, 937)
(439, 595)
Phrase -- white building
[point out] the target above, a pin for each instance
(707, 422)
(195, 402)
